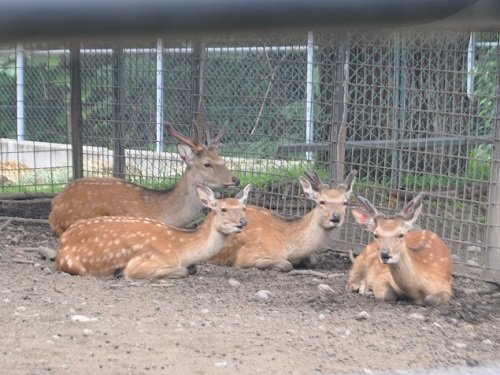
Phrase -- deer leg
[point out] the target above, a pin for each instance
(437, 298)
(309, 262)
(357, 279)
(145, 268)
(281, 265)
(384, 292)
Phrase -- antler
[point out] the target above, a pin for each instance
(346, 184)
(409, 208)
(211, 140)
(194, 144)
(314, 179)
(369, 205)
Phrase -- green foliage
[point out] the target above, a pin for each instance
(274, 175)
(480, 163)
(485, 77)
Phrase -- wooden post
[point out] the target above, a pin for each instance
(493, 224)
(118, 148)
(399, 107)
(338, 130)
(76, 110)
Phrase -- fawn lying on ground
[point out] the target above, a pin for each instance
(147, 248)
(271, 241)
(92, 197)
(401, 263)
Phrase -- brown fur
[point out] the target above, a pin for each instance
(270, 241)
(420, 265)
(147, 248)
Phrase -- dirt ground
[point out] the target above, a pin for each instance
(213, 322)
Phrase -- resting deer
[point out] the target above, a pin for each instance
(401, 263)
(92, 197)
(147, 248)
(273, 242)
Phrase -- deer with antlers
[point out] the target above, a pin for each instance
(147, 248)
(273, 242)
(401, 263)
(92, 197)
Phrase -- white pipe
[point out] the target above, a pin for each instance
(471, 59)
(20, 91)
(89, 51)
(310, 92)
(159, 95)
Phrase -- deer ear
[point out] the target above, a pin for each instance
(308, 189)
(348, 190)
(410, 223)
(186, 153)
(364, 219)
(242, 196)
(206, 196)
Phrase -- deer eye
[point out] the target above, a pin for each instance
(207, 165)
(375, 235)
(223, 210)
(322, 203)
(345, 203)
(401, 235)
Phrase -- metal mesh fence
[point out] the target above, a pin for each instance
(411, 110)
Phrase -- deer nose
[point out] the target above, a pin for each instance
(384, 255)
(336, 217)
(236, 181)
(243, 222)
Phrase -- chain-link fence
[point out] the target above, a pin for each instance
(411, 110)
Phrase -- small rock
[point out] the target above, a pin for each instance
(417, 316)
(363, 315)
(460, 345)
(471, 362)
(220, 364)
(321, 316)
(233, 282)
(82, 318)
(326, 293)
(47, 270)
(87, 332)
(20, 308)
(487, 342)
(204, 311)
(47, 253)
(367, 371)
(263, 295)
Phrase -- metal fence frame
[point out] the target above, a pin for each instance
(338, 144)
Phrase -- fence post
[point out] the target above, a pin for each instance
(310, 93)
(159, 96)
(198, 78)
(493, 226)
(338, 130)
(76, 110)
(399, 107)
(20, 91)
(118, 148)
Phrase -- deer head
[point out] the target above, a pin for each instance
(229, 214)
(389, 232)
(204, 162)
(331, 204)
